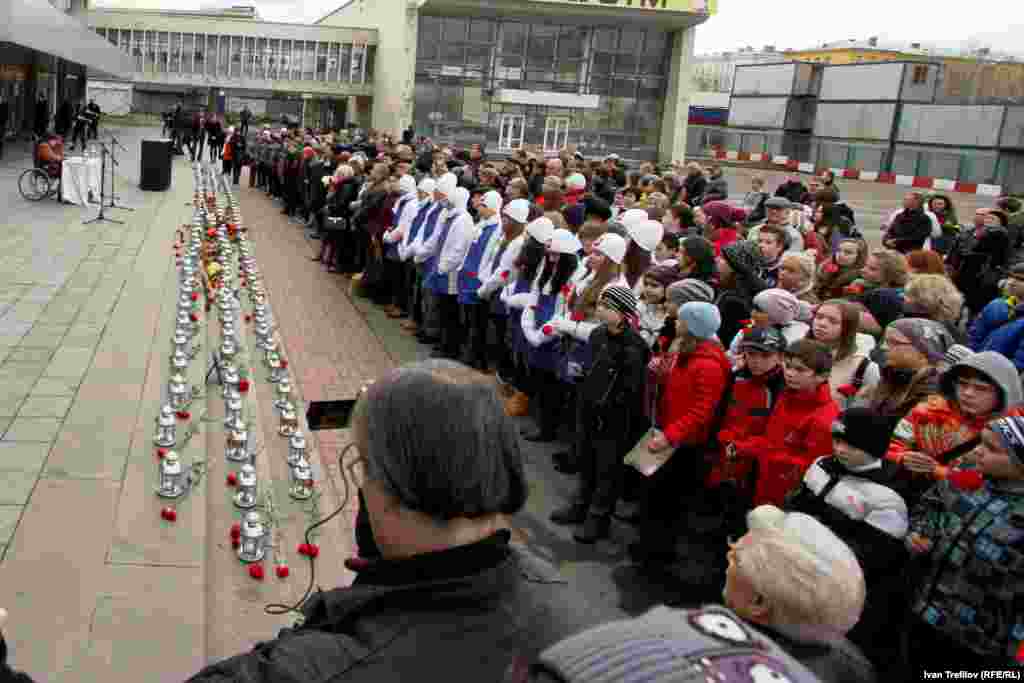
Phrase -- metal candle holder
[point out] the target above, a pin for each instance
(228, 350)
(289, 422)
(233, 410)
(296, 449)
(252, 543)
(172, 475)
(165, 426)
(180, 392)
(277, 371)
(301, 480)
(284, 390)
(247, 488)
(179, 361)
(237, 444)
(181, 341)
(230, 378)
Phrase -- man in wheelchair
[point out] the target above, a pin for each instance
(49, 155)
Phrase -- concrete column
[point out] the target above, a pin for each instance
(677, 98)
(394, 71)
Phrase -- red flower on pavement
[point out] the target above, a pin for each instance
(236, 530)
(282, 571)
(161, 453)
(183, 415)
(212, 232)
(256, 571)
(236, 543)
(284, 363)
(232, 479)
(193, 317)
(309, 549)
(169, 514)
(243, 386)
(248, 317)
(195, 296)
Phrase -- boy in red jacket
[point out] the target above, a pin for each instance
(800, 427)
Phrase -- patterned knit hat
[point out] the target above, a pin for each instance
(743, 256)
(679, 293)
(927, 336)
(1011, 431)
(621, 299)
(956, 353)
(706, 644)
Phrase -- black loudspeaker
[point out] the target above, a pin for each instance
(155, 171)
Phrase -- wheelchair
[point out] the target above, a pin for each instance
(39, 182)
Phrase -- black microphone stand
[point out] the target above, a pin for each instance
(103, 184)
(114, 144)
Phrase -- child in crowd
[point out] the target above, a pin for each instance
(667, 251)
(841, 269)
(800, 426)
(772, 308)
(610, 399)
(966, 605)
(653, 305)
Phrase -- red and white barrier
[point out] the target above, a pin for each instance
(919, 182)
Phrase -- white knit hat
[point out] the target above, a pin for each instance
(518, 210)
(541, 229)
(407, 184)
(492, 200)
(631, 216)
(611, 245)
(447, 184)
(428, 185)
(646, 233)
(564, 242)
(576, 181)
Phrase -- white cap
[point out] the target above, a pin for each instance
(576, 181)
(631, 216)
(492, 200)
(428, 185)
(646, 233)
(459, 198)
(518, 210)
(540, 229)
(613, 157)
(564, 242)
(611, 245)
(447, 184)
(284, 131)
(407, 184)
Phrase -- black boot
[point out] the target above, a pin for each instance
(573, 513)
(594, 529)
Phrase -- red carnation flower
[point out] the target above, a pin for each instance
(193, 317)
(577, 316)
(284, 363)
(169, 514)
(309, 549)
(256, 571)
(161, 453)
(282, 571)
(232, 479)
(236, 530)
(548, 330)
(243, 386)
(195, 296)
(472, 274)
(847, 390)
(236, 543)
(183, 415)
(966, 480)
(831, 268)
(248, 318)
(504, 275)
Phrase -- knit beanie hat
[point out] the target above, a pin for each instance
(779, 305)
(865, 429)
(595, 206)
(927, 336)
(956, 353)
(702, 319)
(621, 299)
(884, 304)
(1011, 431)
(706, 644)
(743, 256)
(663, 275)
(684, 291)
(576, 182)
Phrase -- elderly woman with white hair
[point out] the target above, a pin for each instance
(446, 590)
(793, 590)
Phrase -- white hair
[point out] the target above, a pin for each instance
(344, 171)
(810, 577)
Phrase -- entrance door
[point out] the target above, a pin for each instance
(556, 133)
(510, 131)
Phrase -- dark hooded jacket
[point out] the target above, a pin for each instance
(735, 304)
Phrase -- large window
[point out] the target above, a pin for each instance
(187, 53)
(345, 63)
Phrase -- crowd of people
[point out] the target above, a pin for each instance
(850, 418)
(759, 351)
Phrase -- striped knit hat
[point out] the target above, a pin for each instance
(1011, 431)
(621, 299)
(665, 644)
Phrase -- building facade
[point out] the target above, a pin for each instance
(602, 76)
(227, 60)
(714, 72)
(45, 48)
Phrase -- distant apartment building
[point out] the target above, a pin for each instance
(714, 72)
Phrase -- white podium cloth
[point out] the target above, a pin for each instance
(80, 180)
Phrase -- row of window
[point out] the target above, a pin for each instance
(229, 56)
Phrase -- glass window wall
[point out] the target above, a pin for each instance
(188, 52)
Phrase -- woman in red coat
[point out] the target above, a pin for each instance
(691, 386)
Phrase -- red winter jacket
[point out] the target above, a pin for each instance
(750, 405)
(799, 432)
(690, 394)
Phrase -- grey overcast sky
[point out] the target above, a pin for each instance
(998, 24)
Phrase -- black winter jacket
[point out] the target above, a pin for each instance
(909, 230)
(467, 613)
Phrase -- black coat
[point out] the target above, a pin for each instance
(465, 614)
(695, 185)
(619, 401)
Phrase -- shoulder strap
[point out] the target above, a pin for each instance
(721, 408)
